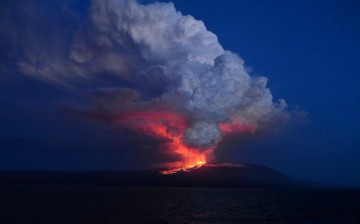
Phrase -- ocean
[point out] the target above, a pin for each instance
(112, 204)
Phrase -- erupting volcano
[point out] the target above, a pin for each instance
(172, 127)
(170, 79)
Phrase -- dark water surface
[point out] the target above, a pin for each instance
(104, 204)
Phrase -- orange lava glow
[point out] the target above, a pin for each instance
(169, 126)
(187, 168)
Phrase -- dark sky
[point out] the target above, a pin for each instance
(308, 49)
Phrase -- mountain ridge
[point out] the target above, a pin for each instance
(209, 175)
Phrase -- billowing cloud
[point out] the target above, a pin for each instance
(161, 62)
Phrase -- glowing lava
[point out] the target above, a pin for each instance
(171, 127)
(188, 168)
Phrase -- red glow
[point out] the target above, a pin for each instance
(170, 126)
(235, 127)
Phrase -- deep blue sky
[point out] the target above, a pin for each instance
(308, 49)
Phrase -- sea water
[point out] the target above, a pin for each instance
(111, 204)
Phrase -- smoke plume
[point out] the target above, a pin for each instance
(171, 77)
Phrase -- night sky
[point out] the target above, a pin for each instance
(309, 50)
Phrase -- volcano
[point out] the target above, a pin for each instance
(227, 175)
(208, 175)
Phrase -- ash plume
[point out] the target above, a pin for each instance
(164, 61)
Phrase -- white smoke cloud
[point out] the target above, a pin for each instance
(202, 134)
(167, 58)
